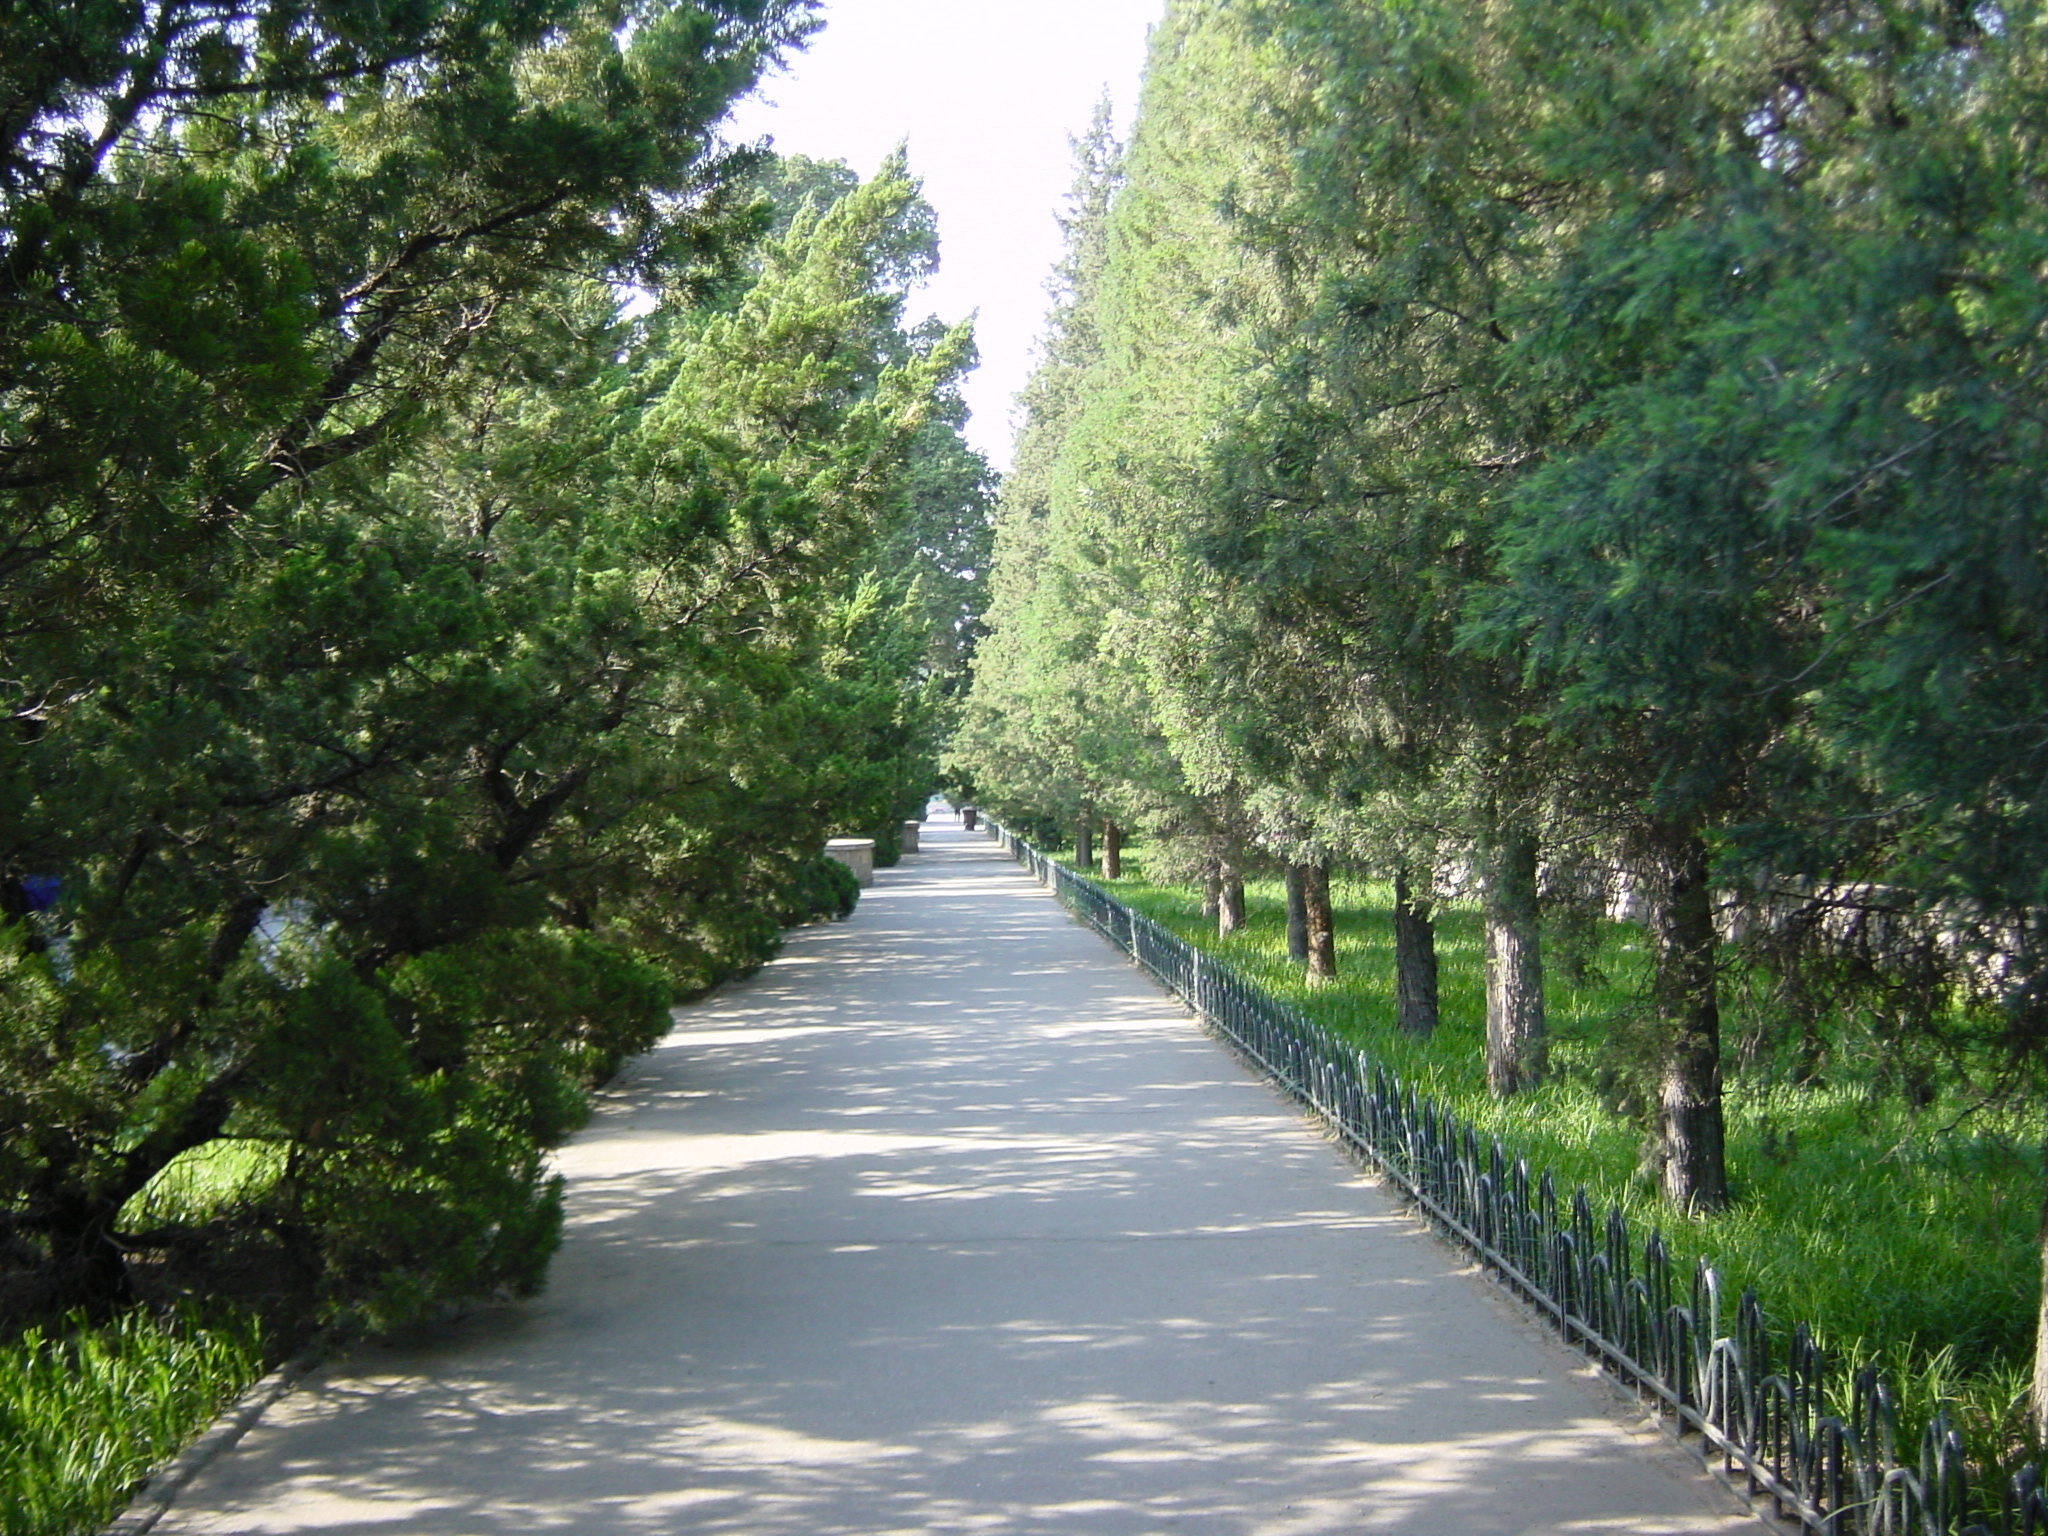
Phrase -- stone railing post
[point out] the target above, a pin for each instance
(857, 854)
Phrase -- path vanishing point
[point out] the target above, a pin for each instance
(949, 1221)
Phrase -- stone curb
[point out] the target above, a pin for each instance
(219, 1437)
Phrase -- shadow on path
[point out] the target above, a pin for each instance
(948, 1221)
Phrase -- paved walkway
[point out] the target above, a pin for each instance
(949, 1222)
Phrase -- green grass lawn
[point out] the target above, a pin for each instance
(1899, 1236)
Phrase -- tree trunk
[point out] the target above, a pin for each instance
(1516, 1044)
(1297, 912)
(1230, 901)
(88, 1266)
(1212, 891)
(1112, 851)
(1415, 1008)
(1692, 1143)
(1322, 923)
(1084, 843)
(1813, 1047)
(88, 1269)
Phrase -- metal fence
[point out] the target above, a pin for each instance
(1782, 1428)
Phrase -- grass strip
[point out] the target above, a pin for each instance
(89, 1410)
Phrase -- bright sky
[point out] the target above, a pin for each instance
(986, 93)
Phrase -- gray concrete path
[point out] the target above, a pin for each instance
(950, 1222)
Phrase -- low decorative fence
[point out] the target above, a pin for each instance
(1777, 1426)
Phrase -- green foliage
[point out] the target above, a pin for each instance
(1059, 725)
(420, 671)
(206, 1183)
(224, 228)
(1602, 428)
(822, 888)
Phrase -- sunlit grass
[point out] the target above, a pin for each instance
(196, 1185)
(1897, 1236)
(87, 1411)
